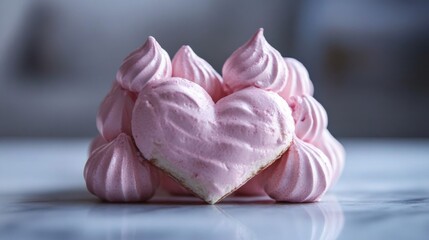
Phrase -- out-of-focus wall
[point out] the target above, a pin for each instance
(368, 59)
(370, 64)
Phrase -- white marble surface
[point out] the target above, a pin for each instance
(383, 194)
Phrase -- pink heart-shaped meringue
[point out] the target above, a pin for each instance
(212, 149)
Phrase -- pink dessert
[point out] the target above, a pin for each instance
(186, 64)
(256, 63)
(116, 172)
(310, 117)
(302, 174)
(298, 82)
(148, 62)
(114, 114)
(256, 125)
(334, 151)
(209, 148)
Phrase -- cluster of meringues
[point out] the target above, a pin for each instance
(179, 125)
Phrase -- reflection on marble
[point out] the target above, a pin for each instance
(76, 215)
(383, 195)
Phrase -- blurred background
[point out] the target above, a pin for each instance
(368, 60)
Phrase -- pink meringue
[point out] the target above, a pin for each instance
(256, 63)
(267, 137)
(186, 64)
(96, 143)
(310, 117)
(147, 63)
(114, 114)
(115, 172)
(298, 82)
(334, 151)
(303, 174)
(212, 149)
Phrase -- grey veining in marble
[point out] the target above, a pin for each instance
(383, 194)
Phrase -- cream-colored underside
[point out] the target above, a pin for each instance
(200, 191)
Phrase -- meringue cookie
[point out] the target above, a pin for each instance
(302, 174)
(186, 64)
(211, 149)
(114, 114)
(310, 117)
(256, 63)
(115, 172)
(334, 151)
(298, 82)
(147, 63)
(96, 143)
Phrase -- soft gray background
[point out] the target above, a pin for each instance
(369, 60)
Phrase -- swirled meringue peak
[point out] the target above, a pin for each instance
(188, 65)
(335, 152)
(302, 174)
(310, 117)
(147, 63)
(116, 172)
(256, 63)
(114, 114)
(298, 82)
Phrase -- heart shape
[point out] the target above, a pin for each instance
(210, 148)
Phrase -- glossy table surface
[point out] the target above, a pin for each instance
(383, 194)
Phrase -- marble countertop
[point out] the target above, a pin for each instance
(383, 194)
